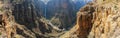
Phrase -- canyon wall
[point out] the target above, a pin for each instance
(22, 19)
(106, 18)
(99, 19)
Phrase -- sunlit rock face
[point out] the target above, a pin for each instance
(83, 24)
(97, 20)
(84, 21)
(106, 20)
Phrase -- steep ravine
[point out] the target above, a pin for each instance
(98, 19)
(84, 23)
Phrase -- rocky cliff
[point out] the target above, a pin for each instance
(99, 19)
(22, 19)
(83, 25)
(106, 18)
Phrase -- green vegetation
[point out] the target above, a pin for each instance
(1, 9)
(0, 33)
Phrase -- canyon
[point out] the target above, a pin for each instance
(25, 19)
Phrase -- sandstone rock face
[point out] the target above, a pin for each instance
(106, 20)
(84, 23)
(97, 20)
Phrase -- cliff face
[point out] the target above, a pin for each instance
(22, 19)
(106, 20)
(97, 20)
(84, 23)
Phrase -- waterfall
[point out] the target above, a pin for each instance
(45, 10)
(45, 1)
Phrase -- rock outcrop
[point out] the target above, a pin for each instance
(97, 20)
(106, 18)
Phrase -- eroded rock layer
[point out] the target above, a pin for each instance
(106, 20)
(99, 19)
(20, 19)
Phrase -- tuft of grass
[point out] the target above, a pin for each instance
(1, 9)
(0, 33)
(115, 7)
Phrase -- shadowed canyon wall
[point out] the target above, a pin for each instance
(22, 19)
(63, 10)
